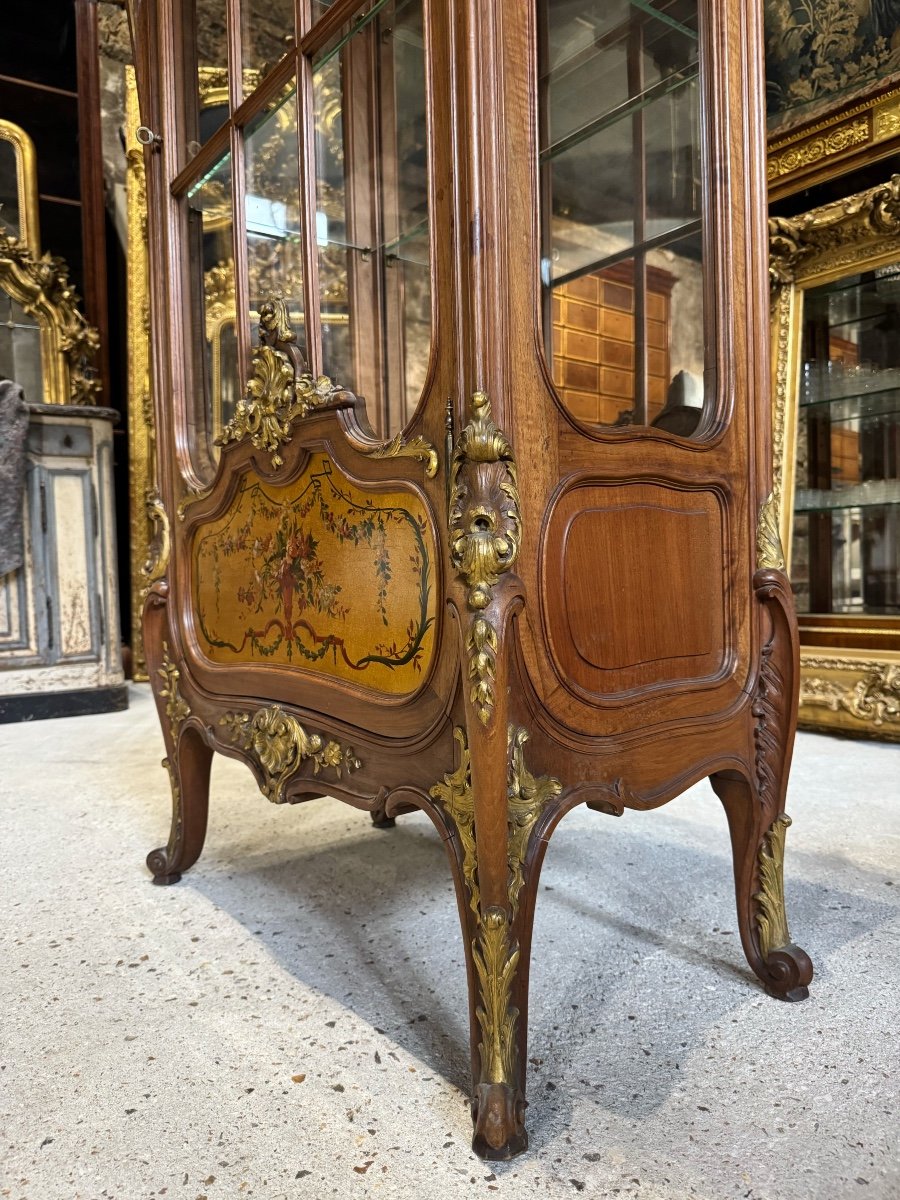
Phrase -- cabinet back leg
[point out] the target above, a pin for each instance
(757, 840)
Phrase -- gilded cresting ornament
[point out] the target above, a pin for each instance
(485, 535)
(279, 390)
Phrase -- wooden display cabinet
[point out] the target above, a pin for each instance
(836, 311)
(413, 573)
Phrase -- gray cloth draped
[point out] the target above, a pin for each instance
(13, 429)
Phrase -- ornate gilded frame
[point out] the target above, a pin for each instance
(40, 284)
(854, 135)
(26, 184)
(850, 689)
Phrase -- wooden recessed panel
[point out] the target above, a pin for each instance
(319, 575)
(634, 586)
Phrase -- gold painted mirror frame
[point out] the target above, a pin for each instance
(40, 284)
(854, 687)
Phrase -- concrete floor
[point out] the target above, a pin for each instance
(289, 1021)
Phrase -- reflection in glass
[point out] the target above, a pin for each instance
(846, 548)
(620, 165)
(215, 373)
(20, 349)
(267, 30)
(272, 210)
(9, 190)
(372, 221)
(204, 46)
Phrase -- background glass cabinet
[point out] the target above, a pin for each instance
(837, 404)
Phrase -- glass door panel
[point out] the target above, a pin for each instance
(620, 155)
(372, 219)
(204, 47)
(267, 33)
(272, 219)
(214, 360)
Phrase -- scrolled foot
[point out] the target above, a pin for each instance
(380, 821)
(499, 1116)
(158, 862)
(789, 972)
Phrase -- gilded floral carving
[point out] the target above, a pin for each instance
(280, 745)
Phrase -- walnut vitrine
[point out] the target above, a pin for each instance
(488, 528)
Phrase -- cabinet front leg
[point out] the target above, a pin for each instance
(188, 757)
(189, 768)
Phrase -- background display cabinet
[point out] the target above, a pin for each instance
(481, 523)
(837, 410)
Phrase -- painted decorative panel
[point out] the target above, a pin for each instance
(320, 575)
(819, 52)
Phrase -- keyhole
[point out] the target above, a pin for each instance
(482, 524)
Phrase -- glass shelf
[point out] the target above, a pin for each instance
(876, 493)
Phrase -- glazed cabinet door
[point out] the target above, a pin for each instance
(634, 388)
(304, 325)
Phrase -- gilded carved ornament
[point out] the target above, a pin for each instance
(158, 558)
(875, 698)
(277, 393)
(771, 917)
(280, 744)
(177, 708)
(69, 344)
(769, 550)
(494, 952)
(834, 235)
(485, 535)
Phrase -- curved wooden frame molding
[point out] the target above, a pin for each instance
(852, 690)
(26, 185)
(853, 136)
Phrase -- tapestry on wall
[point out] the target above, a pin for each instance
(821, 52)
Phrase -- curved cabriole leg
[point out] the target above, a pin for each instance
(758, 847)
(189, 768)
(755, 808)
(188, 757)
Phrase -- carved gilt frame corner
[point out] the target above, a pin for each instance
(851, 690)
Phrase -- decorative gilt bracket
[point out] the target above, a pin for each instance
(415, 447)
(485, 536)
(280, 744)
(280, 390)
